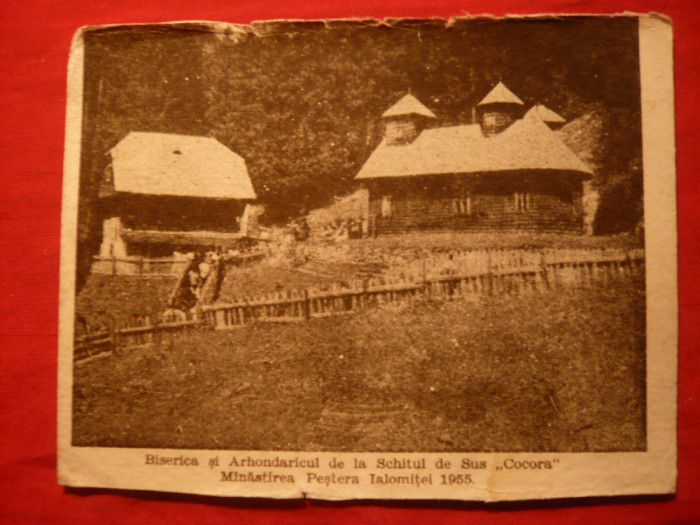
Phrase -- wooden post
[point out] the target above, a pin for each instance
(306, 306)
(149, 335)
(594, 271)
(158, 332)
(489, 273)
(543, 269)
(114, 332)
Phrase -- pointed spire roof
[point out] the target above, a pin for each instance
(406, 106)
(544, 114)
(500, 95)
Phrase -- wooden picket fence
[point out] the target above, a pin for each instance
(92, 345)
(244, 259)
(440, 277)
(141, 331)
(136, 332)
(138, 266)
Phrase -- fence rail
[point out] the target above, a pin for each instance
(138, 332)
(454, 275)
(138, 266)
(160, 266)
(93, 345)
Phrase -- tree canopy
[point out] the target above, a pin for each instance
(302, 103)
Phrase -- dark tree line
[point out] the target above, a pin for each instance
(302, 104)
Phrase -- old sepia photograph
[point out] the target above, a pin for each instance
(422, 240)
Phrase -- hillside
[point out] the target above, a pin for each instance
(525, 373)
(584, 135)
(353, 205)
(303, 107)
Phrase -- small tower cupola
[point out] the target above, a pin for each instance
(498, 110)
(405, 120)
(546, 115)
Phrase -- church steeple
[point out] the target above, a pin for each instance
(404, 121)
(546, 115)
(498, 110)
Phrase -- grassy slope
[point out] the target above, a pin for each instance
(353, 205)
(340, 262)
(561, 370)
(266, 278)
(121, 297)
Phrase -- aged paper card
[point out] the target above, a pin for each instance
(417, 259)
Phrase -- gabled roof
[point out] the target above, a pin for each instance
(179, 165)
(544, 114)
(525, 145)
(408, 105)
(500, 94)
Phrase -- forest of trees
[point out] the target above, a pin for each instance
(302, 103)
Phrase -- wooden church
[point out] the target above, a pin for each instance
(506, 171)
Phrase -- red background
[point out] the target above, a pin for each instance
(34, 43)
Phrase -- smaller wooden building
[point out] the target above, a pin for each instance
(506, 171)
(166, 192)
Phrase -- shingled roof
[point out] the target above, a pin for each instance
(179, 165)
(544, 114)
(500, 94)
(408, 105)
(526, 145)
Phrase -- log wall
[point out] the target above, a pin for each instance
(552, 205)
